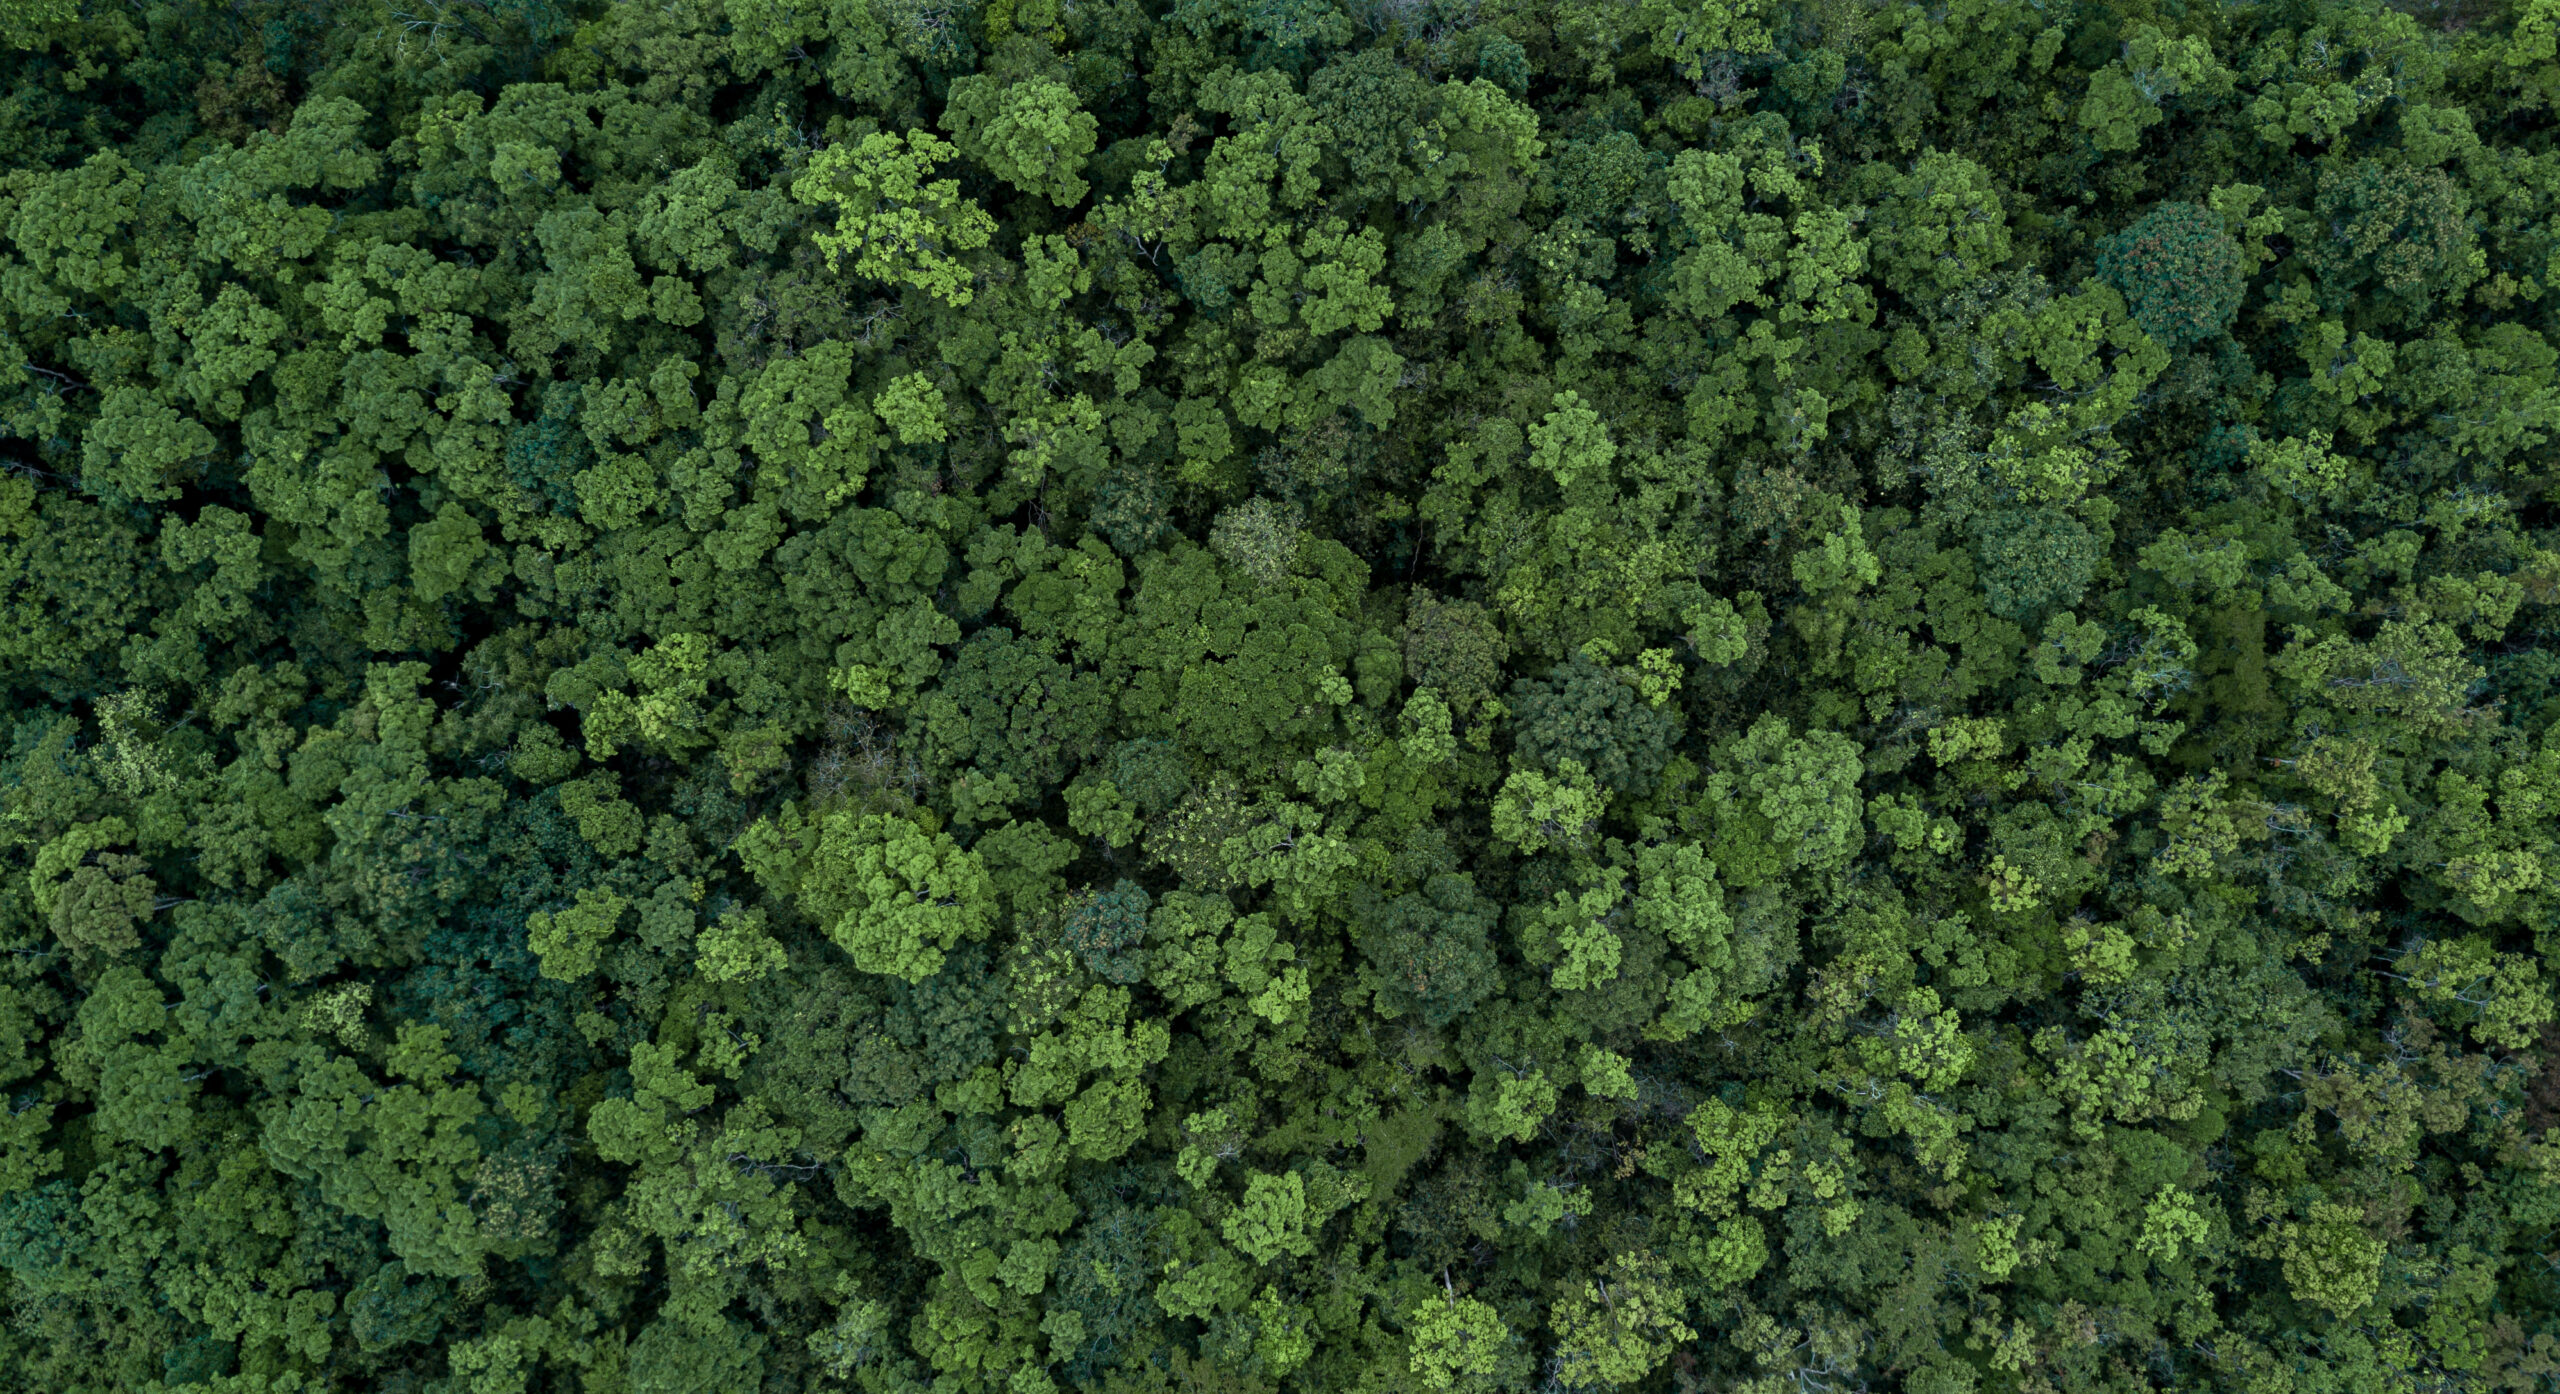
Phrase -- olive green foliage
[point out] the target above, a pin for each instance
(1279, 696)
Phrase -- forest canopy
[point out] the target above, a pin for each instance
(1279, 696)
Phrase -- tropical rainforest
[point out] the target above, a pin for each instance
(1280, 696)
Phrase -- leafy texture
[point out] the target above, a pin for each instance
(1279, 696)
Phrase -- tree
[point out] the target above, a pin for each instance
(1031, 135)
(1432, 947)
(2034, 561)
(2179, 270)
(1940, 227)
(893, 219)
(568, 942)
(2329, 1261)
(1586, 714)
(1535, 812)
(1788, 801)
(889, 893)
(1272, 1219)
(1617, 1329)
(1104, 929)
(1460, 1340)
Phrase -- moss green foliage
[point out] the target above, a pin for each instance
(1279, 696)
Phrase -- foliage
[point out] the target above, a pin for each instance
(1106, 927)
(1276, 695)
(2181, 274)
